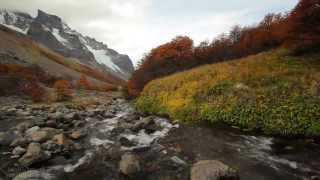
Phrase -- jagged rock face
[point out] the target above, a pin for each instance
(51, 31)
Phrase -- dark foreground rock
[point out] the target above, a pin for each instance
(129, 164)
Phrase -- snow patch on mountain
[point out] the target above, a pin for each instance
(102, 58)
(56, 34)
(16, 29)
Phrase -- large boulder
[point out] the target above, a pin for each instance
(212, 170)
(33, 155)
(129, 164)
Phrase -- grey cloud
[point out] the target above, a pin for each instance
(136, 26)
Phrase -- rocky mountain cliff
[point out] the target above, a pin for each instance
(53, 32)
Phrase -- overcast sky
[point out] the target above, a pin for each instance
(134, 27)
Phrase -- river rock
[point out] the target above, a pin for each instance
(129, 164)
(126, 142)
(108, 115)
(18, 150)
(6, 138)
(178, 161)
(35, 175)
(61, 140)
(33, 155)
(39, 136)
(76, 135)
(143, 123)
(51, 123)
(44, 134)
(19, 141)
(212, 170)
(24, 126)
(57, 115)
(51, 146)
(30, 131)
(114, 151)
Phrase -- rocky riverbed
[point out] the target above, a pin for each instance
(97, 136)
(101, 136)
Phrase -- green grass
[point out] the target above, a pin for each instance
(269, 92)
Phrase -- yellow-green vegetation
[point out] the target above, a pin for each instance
(272, 92)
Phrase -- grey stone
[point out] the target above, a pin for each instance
(18, 150)
(33, 155)
(24, 126)
(129, 164)
(35, 175)
(178, 161)
(212, 170)
(6, 138)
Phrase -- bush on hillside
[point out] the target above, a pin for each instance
(270, 92)
(33, 90)
(63, 90)
(83, 83)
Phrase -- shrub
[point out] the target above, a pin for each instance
(34, 90)
(270, 92)
(83, 83)
(63, 91)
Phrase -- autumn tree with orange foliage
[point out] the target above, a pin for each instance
(299, 30)
(163, 60)
(63, 90)
(83, 83)
(304, 27)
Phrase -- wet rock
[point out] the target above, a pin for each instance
(39, 136)
(35, 175)
(178, 161)
(33, 155)
(18, 150)
(6, 138)
(57, 115)
(72, 116)
(115, 152)
(108, 115)
(30, 131)
(62, 140)
(51, 146)
(23, 113)
(143, 123)
(51, 123)
(39, 122)
(126, 142)
(212, 170)
(94, 112)
(78, 123)
(19, 141)
(22, 127)
(129, 164)
(43, 134)
(77, 135)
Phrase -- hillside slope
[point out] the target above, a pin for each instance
(271, 91)
(16, 48)
(55, 34)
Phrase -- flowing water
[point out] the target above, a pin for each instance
(256, 157)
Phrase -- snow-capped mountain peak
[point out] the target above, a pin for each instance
(53, 32)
